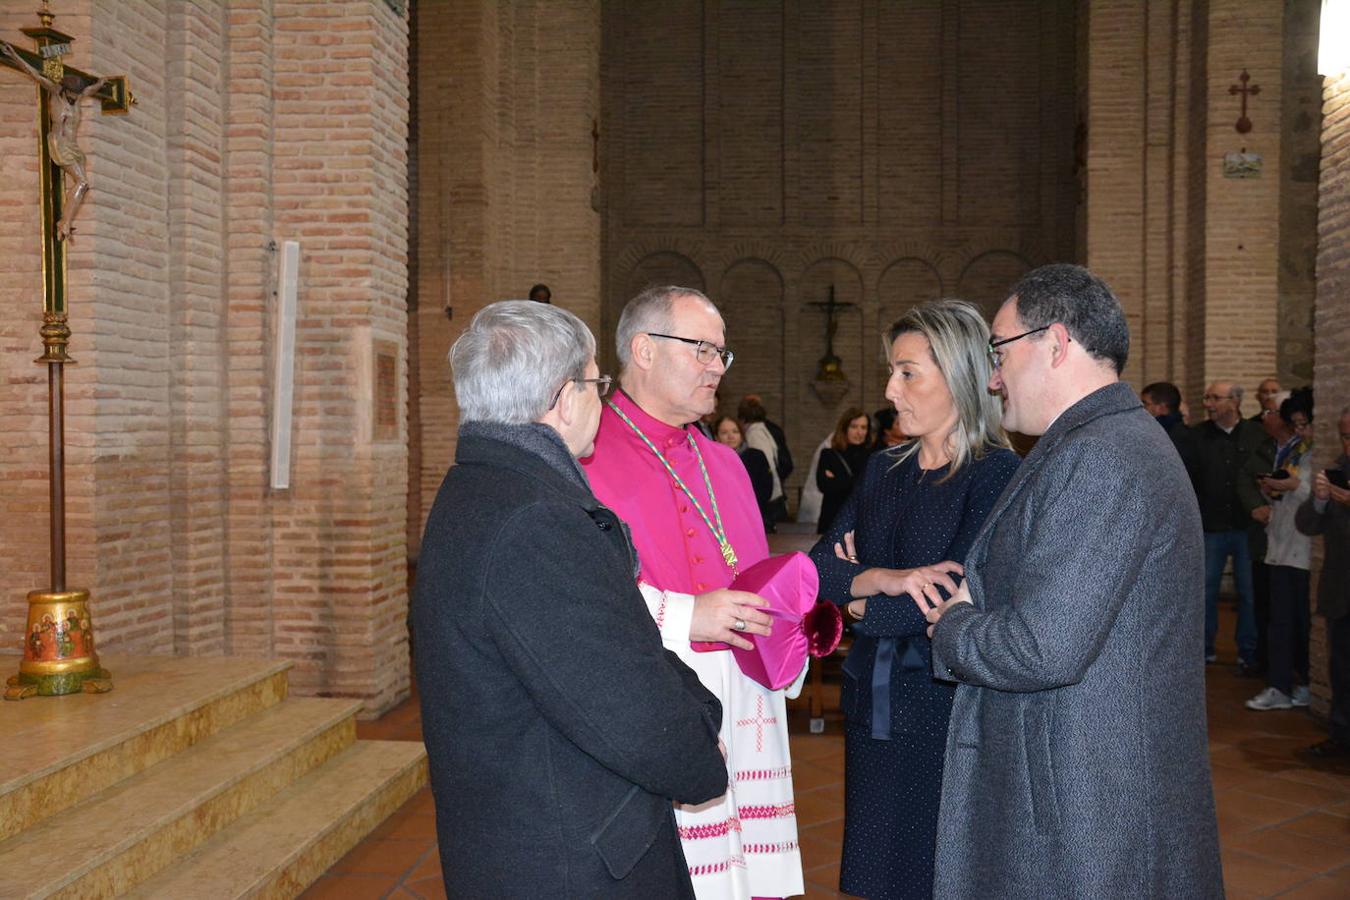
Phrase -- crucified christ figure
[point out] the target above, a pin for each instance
(63, 106)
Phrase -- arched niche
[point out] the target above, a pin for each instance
(989, 277)
(660, 267)
(751, 300)
(855, 343)
(903, 285)
(663, 267)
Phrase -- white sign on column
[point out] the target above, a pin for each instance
(283, 365)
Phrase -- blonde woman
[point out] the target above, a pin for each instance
(903, 533)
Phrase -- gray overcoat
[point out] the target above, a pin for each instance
(1076, 760)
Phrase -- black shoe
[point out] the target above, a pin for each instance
(1248, 669)
(1328, 749)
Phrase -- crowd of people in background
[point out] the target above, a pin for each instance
(1262, 501)
(1252, 476)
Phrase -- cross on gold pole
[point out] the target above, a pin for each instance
(58, 643)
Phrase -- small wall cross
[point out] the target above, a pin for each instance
(1244, 124)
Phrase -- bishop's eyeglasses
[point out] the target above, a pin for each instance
(704, 351)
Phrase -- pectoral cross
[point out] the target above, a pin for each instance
(1244, 124)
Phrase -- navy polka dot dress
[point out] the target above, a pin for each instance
(895, 711)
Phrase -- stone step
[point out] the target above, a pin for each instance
(110, 842)
(58, 751)
(279, 849)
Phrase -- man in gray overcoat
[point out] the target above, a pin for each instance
(1076, 761)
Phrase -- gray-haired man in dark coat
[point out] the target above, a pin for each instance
(557, 728)
(1076, 760)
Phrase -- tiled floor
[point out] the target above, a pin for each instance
(1284, 823)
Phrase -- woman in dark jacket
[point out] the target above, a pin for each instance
(841, 463)
(728, 431)
(904, 531)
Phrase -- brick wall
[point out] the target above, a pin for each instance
(1331, 375)
(761, 151)
(764, 151)
(257, 121)
(507, 97)
(1215, 272)
(198, 423)
(1242, 215)
(1192, 179)
(339, 188)
(1123, 103)
(1300, 150)
(1192, 254)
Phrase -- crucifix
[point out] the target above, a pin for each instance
(831, 307)
(1244, 124)
(831, 384)
(58, 646)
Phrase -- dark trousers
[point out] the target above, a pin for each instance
(1219, 546)
(1288, 630)
(1261, 607)
(1338, 637)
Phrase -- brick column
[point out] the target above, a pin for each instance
(197, 315)
(504, 184)
(1242, 216)
(339, 187)
(251, 269)
(122, 299)
(1118, 118)
(1331, 377)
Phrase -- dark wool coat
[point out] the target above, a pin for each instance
(1077, 758)
(558, 729)
(1219, 461)
(1333, 523)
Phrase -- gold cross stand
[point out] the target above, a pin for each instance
(58, 644)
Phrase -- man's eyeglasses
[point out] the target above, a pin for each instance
(602, 386)
(1218, 397)
(705, 351)
(996, 355)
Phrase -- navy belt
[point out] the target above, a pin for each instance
(911, 660)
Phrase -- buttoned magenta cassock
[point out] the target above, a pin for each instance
(744, 843)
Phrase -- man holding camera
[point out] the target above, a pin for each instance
(1327, 512)
(1281, 485)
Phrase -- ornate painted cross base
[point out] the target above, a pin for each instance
(58, 649)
